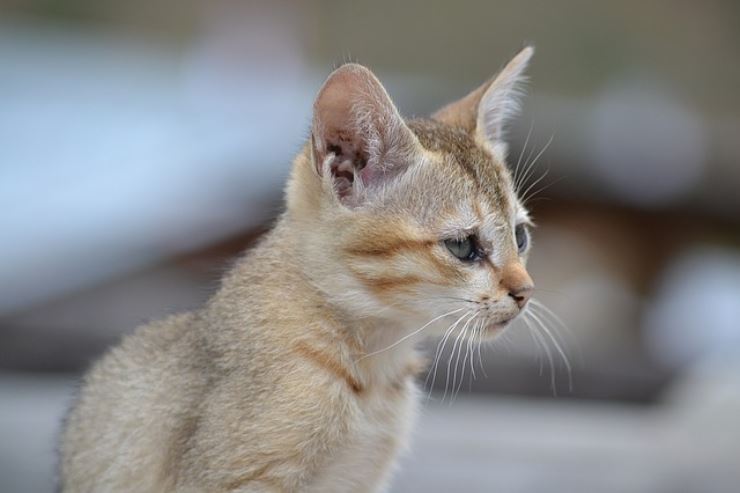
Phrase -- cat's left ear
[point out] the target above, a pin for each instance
(486, 110)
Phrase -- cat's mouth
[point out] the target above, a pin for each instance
(500, 325)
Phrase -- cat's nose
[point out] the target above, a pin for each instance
(522, 295)
(518, 284)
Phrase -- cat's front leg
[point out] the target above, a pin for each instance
(275, 438)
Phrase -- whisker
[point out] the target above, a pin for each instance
(531, 166)
(534, 310)
(533, 195)
(471, 340)
(523, 195)
(474, 341)
(440, 348)
(480, 343)
(530, 192)
(452, 354)
(521, 153)
(537, 343)
(543, 342)
(468, 355)
(410, 335)
(456, 347)
(540, 305)
(525, 168)
(453, 298)
(533, 200)
(470, 352)
(546, 312)
(456, 391)
(559, 349)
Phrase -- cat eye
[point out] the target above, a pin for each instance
(465, 249)
(522, 237)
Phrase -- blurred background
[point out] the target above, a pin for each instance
(144, 144)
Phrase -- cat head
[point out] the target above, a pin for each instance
(413, 219)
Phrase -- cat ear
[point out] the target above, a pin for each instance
(486, 110)
(358, 134)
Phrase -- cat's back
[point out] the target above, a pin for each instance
(133, 408)
(139, 406)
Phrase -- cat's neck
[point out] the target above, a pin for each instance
(377, 348)
(382, 354)
(389, 357)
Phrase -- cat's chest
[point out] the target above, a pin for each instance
(379, 429)
(384, 412)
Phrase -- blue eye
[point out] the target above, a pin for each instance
(522, 237)
(464, 249)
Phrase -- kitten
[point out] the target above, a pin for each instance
(298, 375)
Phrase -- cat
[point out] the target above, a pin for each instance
(298, 374)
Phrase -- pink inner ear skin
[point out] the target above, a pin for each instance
(381, 170)
(370, 174)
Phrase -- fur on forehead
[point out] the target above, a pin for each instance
(464, 161)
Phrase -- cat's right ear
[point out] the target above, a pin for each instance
(358, 137)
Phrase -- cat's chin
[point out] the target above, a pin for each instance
(495, 328)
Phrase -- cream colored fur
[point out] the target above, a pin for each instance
(298, 375)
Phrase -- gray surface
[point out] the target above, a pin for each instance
(31, 410)
(474, 444)
(510, 445)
